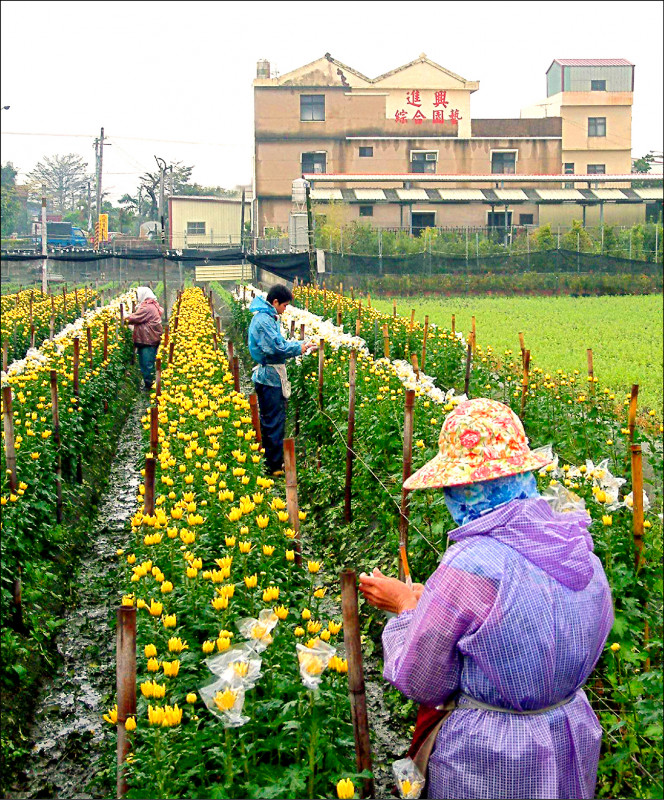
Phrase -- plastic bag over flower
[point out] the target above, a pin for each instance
(258, 631)
(629, 501)
(241, 660)
(225, 699)
(562, 500)
(408, 777)
(313, 662)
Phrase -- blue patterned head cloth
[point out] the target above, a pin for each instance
(466, 503)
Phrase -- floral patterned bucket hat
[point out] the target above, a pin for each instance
(480, 440)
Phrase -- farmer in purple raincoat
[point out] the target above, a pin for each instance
(508, 628)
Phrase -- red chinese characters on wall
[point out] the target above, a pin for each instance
(417, 116)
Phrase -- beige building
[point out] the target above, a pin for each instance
(411, 132)
(198, 221)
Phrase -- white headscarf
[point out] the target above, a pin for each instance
(144, 293)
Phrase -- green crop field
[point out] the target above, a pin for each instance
(625, 333)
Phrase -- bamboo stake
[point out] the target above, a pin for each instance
(352, 378)
(591, 372)
(369, 301)
(632, 412)
(637, 507)
(356, 690)
(157, 373)
(474, 334)
(412, 320)
(339, 317)
(394, 308)
(522, 345)
(51, 327)
(171, 347)
(453, 325)
(524, 381)
(5, 355)
(302, 329)
(255, 419)
(236, 373)
(32, 335)
(88, 333)
(291, 495)
(386, 341)
(404, 518)
(424, 342)
(321, 363)
(469, 360)
(358, 327)
(55, 414)
(292, 329)
(416, 368)
(231, 353)
(154, 430)
(105, 351)
(148, 501)
(77, 361)
(126, 687)
(10, 441)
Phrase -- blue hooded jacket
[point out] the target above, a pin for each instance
(267, 344)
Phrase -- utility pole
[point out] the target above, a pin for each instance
(162, 171)
(44, 247)
(99, 153)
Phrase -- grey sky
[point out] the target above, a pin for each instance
(173, 79)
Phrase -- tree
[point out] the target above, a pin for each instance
(63, 179)
(643, 164)
(174, 182)
(11, 207)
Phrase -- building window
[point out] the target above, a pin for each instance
(499, 219)
(312, 107)
(568, 169)
(596, 126)
(314, 163)
(366, 152)
(366, 211)
(195, 229)
(420, 220)
(503, 163)
(596, 169)
(597, 86)
(526, 219)
(421, 161)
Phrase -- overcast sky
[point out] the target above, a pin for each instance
(173, 78)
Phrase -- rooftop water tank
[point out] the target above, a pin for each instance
(263, 68)
(300, 190)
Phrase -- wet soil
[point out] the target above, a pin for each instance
(67, 728)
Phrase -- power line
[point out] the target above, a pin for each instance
(127, 138)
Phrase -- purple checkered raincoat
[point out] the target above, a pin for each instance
(515, 616)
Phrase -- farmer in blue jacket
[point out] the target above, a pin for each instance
(270, 350)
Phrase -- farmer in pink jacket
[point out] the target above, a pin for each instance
(147, 330)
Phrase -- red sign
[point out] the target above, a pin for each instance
(440, 102)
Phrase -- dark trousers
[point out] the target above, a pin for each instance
(272, 407)
(147, 354)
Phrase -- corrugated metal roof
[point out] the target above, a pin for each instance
(369, 194)
(608, 194)
(593, 62)
(560, 194)
(412, 194)
(510, 194)
(651, 193)
(461, 194)
(326, 194)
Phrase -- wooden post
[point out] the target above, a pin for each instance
(404, 517)
(126, 686)
(32, 335)
(416, 369)
(632, 412)
(591, 372)
(474, 334)
(292, 329)
(524, 382)
(77, 361)
(51, 327)
(453, 325)
(166, 333)
(424, 342)
(88, 333)
(358, 326)
(339, 317)
(148, 501)
(522, 345)
(412, 320)
(121, 313)
(386, 341)
(255, 417)
(236, 373)
(55, 413)
(394, 308)
(321, 363)
(5, 355)
(154, 430)
(291, 495)
(352, 378)
(170, 352)
(637, 506)
(302, 329)
(10, 449)
(105, 341)
(230, 353)
(157, 372)
(356, 690)
(469, 361)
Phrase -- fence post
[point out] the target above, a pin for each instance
(5, 354)
(424, 342)
(466, 247)
(380, 251)
(255, 420)
(630, 243)
(291, 495)
(356, 690)
(126, 686)
(454, 325)
(10, 449)
(386, 341)
(55, 414)
(522, 345)
(154, 430)
(469, 358)
(416, 369)
(637, 507)
(404, 515)
(352, 375)
(88, 333)
(157, 374)
(631, 424)
(524, 381)
(321, 362)
(477, 248)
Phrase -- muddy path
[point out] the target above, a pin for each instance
(66, 731)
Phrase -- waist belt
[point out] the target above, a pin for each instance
(471, 702)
